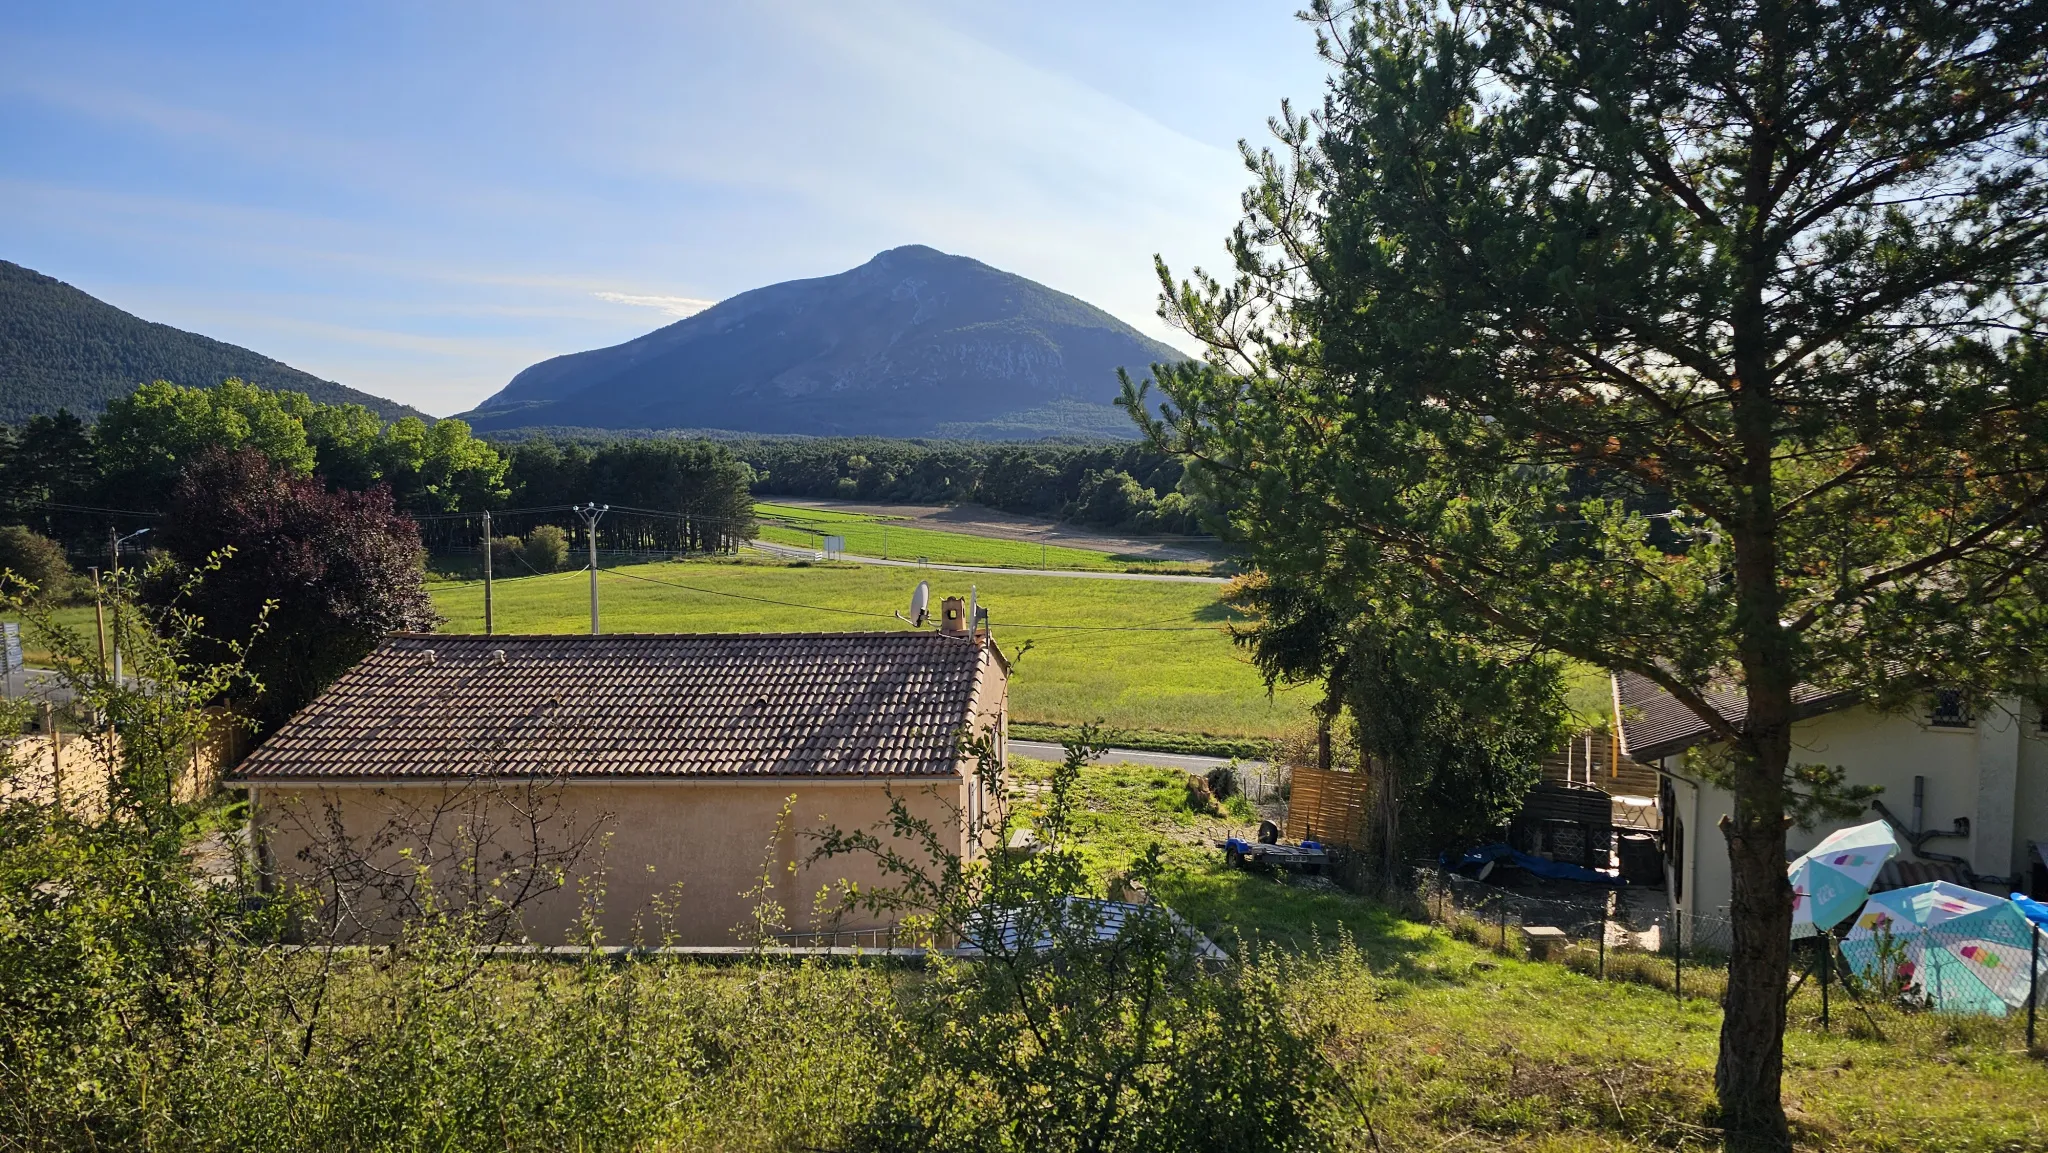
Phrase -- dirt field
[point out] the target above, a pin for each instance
(975, 520)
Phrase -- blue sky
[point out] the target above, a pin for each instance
(421, 199)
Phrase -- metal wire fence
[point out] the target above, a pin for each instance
(1609, 933)
(1928, 988)
(1262, 783)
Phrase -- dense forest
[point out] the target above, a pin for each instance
(64, 349)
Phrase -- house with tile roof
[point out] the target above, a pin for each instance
(661, 786)
(1966, 793)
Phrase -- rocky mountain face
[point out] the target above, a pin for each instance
(63, 348)
(909, 343)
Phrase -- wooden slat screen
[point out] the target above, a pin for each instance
(1615, 774)
(1329, 807)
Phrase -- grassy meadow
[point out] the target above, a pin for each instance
(1089, 656)
(869, 534)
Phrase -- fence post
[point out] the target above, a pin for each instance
(1678, 955)
(1827, 957)
(2033, 981)
(1603, 942)
(1503, 928)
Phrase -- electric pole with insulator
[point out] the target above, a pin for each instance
(590, 514)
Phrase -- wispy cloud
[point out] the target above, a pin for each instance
(673, 305)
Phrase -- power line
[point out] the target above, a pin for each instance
(88, 508)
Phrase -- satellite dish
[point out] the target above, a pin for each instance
(920, 604)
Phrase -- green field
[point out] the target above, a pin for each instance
(868, 534)
(1171, 679)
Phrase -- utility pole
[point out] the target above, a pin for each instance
(487, 572)
(114, 554)
(115, 541)
(99, 617)
(591, 514)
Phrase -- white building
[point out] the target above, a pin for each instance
(1967, 796)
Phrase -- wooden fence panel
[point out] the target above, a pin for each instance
(1329, 807)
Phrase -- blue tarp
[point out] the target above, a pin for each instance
(1555, 870)
(2035, 910)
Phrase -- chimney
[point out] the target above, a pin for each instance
(953, 617)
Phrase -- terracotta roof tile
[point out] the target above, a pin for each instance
(637, 705)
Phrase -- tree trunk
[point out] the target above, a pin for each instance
(1751, 1065)
(1748, 1074)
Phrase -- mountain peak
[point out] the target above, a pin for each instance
(910, 341)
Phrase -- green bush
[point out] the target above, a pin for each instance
(36, 560)
(545, 549)
(1067, 1035)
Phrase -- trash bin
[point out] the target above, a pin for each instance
(1642, 862)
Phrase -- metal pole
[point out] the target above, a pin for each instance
(487, 572)
(114, 551)
(1503, 927)
(1827, 950)
(1678, 956)
(1603, 941)
(99, 617)
(590, 514)
(2033, 981)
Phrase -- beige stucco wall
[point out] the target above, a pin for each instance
(676, 861)
(1995, 773)
(696, 848)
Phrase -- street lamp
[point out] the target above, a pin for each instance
(118, 541)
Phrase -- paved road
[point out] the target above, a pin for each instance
(1174, 578)
(1047, 751)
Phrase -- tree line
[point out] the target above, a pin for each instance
(1130, 486)
(71, 481)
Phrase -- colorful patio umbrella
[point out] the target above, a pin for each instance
(1965, 951)
(1830, 882)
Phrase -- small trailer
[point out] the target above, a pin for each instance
(1306, 857)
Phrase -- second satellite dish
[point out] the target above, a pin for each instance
(920, 604)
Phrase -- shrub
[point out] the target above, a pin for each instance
(545, 549)
(1222, 782)
(505, 555)
(36, 560)
(1064, 1035)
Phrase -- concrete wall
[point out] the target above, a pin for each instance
(675, 861)
(1994, 773)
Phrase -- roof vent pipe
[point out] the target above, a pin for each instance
(427, 655)
(498, 657)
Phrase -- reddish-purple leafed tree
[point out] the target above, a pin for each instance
(343, 569)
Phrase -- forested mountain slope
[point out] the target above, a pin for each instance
(62, 348)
